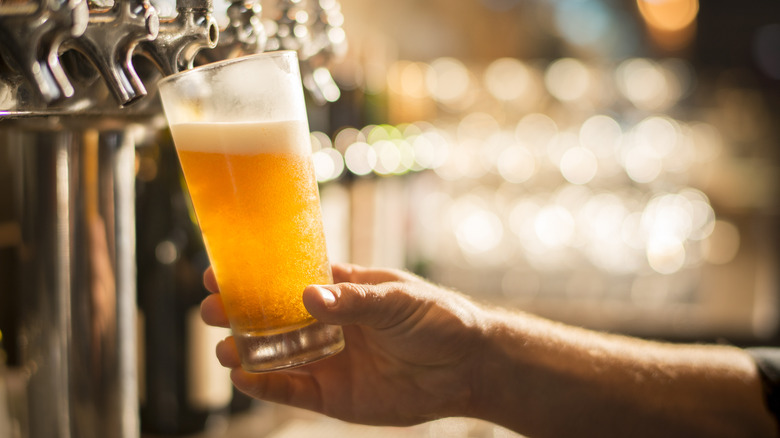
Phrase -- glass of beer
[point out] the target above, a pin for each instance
(241, 132)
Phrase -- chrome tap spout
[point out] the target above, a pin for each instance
(194, 28)
(30, 39)
(244, 33)
(109, 42)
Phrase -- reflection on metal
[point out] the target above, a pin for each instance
(181, 38)
(73, 197)
(30, 38)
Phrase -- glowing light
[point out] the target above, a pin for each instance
(345, 137)
(665, 254)
(644, 83)
(567, 79)
(507, 79)
(554, 226)
(448, 80)
(360, 158)
(536, 130)
(328, 164)
(479, 232)
(669, 15)
(642, 163)
(388, 157)
(601, 134)
(578, 165)
(409, 78)
(477, 229)
(659, 133)
(516, 164)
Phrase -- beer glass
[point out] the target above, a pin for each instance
(241, 132)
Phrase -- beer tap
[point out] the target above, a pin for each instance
(313, 29)
(109, 42)
(244, 33)
(182, 37)
(325, 44)
(30, 37)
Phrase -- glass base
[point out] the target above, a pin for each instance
(260, 353)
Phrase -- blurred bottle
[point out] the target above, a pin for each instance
(183, 388)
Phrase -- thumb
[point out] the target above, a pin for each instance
(377, 306)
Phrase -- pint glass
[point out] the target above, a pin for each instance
(242, 136)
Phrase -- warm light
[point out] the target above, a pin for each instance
(476, 228)
(328, 164)
(645, 84)
(536, 130)
(578, 165)
(642, 163)
(516, 164)
(601, 134)
(669, 15)
(360, 158)
(507, 79)
(567, 79)
(388, 157)
(665, 254)
(479, 232)
(448, 80)
(409, 78)
(554, 226)
(345, 137)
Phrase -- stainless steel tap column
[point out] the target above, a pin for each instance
(74, 192)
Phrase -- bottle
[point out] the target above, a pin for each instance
(183, 388)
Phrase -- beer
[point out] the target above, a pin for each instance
(253, 188)
(241, 132)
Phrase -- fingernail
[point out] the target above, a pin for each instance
(327, 296)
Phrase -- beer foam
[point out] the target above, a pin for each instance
(244, 138)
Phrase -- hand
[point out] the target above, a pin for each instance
(411, 349)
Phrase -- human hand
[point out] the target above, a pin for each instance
(411, 349)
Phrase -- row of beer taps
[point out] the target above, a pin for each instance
(53, 51)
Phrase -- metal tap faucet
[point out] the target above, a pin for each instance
(243, 35)
(30, 37)
(181, 38)
(109, 42)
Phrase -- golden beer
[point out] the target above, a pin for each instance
(256, 198)
(242, 135)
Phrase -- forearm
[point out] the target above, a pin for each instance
(543, 379)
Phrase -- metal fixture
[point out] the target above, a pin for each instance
(30, 37)
(181, 38)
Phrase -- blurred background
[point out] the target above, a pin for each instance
(606, 163)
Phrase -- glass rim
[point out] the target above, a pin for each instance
(225, 62)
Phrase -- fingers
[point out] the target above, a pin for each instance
(294, 387)
(377, 306)
(227, 353)
(212, 311)
(210, 280)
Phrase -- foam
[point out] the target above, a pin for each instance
(244, 138)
